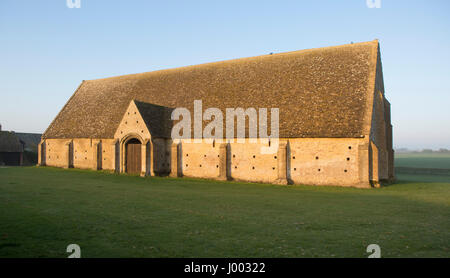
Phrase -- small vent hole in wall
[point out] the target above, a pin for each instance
(275, 157)
(345, 171)
(218, 155)
(253, 167)
(187, 154)
(273, 168)
(234, 155)
(317, 157)
(348, 158)
(295, 169)
(186, 165)
(217, 166)
(293, 157)
(200, 165)
(204, 155)
(318, 170)
(254, 156)
(349, 147)
(235, 167)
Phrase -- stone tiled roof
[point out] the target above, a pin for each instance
(156, 118)
(322, 92)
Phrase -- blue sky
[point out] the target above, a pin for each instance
(47, 49)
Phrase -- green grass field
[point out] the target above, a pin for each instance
(42, 210)
(423, 160)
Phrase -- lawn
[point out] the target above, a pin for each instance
(42, 210)
(423, 160)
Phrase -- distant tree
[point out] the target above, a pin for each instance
(402, 150)
(443, 150)
(427, 150)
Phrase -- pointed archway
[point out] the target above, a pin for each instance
(133, 135)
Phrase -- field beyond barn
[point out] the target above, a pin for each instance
(43, 210)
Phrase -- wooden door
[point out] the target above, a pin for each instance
(133, 157)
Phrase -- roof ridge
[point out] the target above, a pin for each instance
(242, 59)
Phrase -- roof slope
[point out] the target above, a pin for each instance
(323, 92)
(156, 118)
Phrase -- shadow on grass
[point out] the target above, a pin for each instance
(415, 178)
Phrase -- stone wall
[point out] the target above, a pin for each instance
(378, 136)
(57, 152)
(200, 160)
(85, 153)
(381, 152)
(326, 161)
(312, 161)
(100, 154)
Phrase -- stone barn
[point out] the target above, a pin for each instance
(334, 120)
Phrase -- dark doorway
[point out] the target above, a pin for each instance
(10, 158)
(71, 155)
(133, 156)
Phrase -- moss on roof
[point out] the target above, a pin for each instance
(321, 92)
